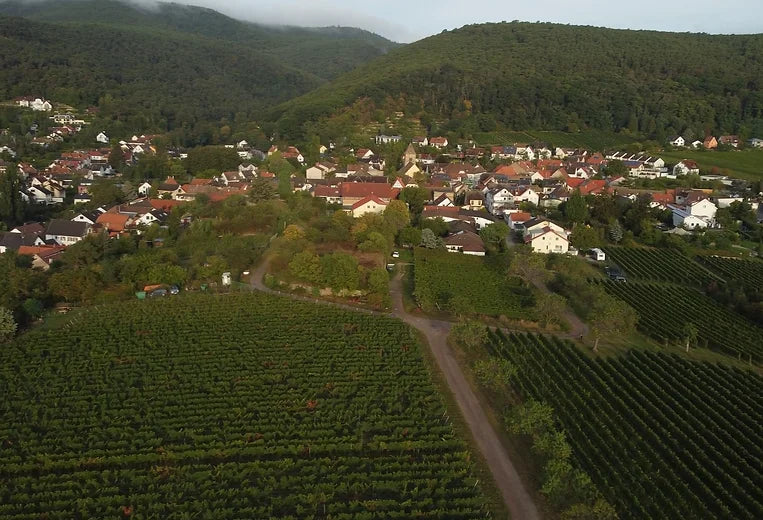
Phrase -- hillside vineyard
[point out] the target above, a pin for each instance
(243, 406)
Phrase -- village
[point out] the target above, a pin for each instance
(526, 189)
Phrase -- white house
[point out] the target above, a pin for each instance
(677, 141)
(704, 208)
(144, 189)
(725, 202)
(371, 204)
(683, 218)
(102, 138)
(497, 199)
(67, 232)
(40, 105)
(686, 167)
(387, 139)
(537, 225)
(439, 142)
(319, 171)
(548, 240)
(465, 242)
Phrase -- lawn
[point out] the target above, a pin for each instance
(745, 164)
(592, 139)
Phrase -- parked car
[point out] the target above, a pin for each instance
(158, 292)
(395, 254)
(174, 290)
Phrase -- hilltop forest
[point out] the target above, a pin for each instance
(555, 77)
(190, 70)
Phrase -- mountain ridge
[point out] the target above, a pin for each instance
(555, 77)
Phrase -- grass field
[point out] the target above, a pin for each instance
(744, 164)
(593, 140)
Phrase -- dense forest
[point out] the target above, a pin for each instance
(556, 77)
(325, 52)
(178, 68)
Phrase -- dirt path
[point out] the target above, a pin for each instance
(516, 497)
(519, 502)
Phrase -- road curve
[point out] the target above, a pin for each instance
(507, 480)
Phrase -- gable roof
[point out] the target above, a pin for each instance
(466, 240)
(113, 221)
(520, 216)
(366, 200)
(365, 189)
(68, 228)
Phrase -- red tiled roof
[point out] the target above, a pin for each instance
(592, 186)
(326, 191)
(521, 216)
(364, 189)
(366, 200)
(164, 204)
(113, 221)
(573, 182)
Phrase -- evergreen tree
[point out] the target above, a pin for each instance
(11, 204)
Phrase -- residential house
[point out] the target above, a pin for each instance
(66, 232)
(353, 192)
(388, 139)
(113, 223)
(155, 216)
(547, 240)
(466, 242)
(168, 187)
(89, 217)
(686, 167)
(677, 141)
(292, 152)
(444, 201)
(755, 143)
(102, 138)
(729, 140)
(331, 194)
(420, 141)
(517, 220)
(320, 170)
(364, 154)
(13, 240)
(368, 205)
(474, 200)
(42, 256)
(710, 143)
(144, 189)
(439, 142)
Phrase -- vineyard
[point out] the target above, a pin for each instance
(661, 437)
(242, 406)
(660, 265)
(748, 272)
(465, 284)
(664, 311)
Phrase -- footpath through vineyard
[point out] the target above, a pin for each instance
(516, 497)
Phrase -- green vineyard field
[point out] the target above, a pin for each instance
(660, 265)
(664, 310)
(464, 284)
(238, 406)
(747, 272)
(661, 437)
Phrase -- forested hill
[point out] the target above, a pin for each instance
(549, 76)
(324, 52)
(148, 80)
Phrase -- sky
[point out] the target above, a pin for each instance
(405, 21)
